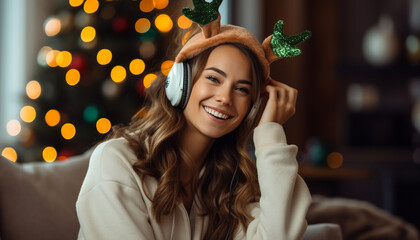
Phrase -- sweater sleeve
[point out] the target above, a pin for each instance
(110, 205)
(285, 198)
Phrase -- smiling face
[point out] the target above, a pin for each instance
(221, 95)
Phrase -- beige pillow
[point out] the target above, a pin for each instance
(37, 200)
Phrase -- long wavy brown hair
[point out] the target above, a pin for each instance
(158, 127)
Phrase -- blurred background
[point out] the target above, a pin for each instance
(71, 69)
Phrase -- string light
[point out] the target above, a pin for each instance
(160, 4)
(13, 127)
(137, 66)
(164, 23)
(75, 3)
(148, 79)
(28, 114)
(166, 67)
(10, 154)
(184, 22)
(146, 5)
(64, 59)
(142, 25)
(68, 131)
(88, 34)
(33, 89)
(118, 74)
(52, 117)
(52, 26)
(49, 154)
(104, 56)
(72, 77)
(103, 125)
(91, 6)
(335, 160)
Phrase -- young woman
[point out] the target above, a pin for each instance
(184, 172)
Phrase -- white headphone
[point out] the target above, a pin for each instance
(178, 84)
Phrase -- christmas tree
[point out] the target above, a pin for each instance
(94, 69)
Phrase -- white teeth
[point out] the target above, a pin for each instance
(216, 113)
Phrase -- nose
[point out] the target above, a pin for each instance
(224, 95)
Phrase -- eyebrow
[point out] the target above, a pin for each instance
(225, 75)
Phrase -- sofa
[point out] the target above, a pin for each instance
(37, 201)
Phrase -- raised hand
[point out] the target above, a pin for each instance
(280, 104)
(203, 12)
(285, 46)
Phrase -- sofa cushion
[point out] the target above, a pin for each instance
(37, 200)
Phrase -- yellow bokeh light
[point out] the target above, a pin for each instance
(161, 4)
(137, 66)
(186, 37)
(335, 160)
(64, 59)
(146, 5)
(164, 23)
(184, 22)
(33, 89)
(148, 79)
(104, 56)
(166, 67)
(52, 26)
(49, 154)
(103, 125)
(72, 77)
(75, 3)
(118, 74)
(13, 127)
(9, 153)
(52, 117)
(28, 114)
(51, 58)
(68, 131)
(91, 6)
(88, 34)
(142, 25)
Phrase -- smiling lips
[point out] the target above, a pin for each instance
(216, 114)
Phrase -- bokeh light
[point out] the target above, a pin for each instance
(184, 22)
(104, 56)
(186, 37)
(28, 114)
(49, 154)
(137, 66)
(164, 23)
(166, 67)
(33, 89)
(42, 56)
(142, 25)
(64, 59)
(160, 4)
(118, 74)
(52, 26)
(146, 5)
(72, 77)
(148, 79)
(110, 89)
(91, 6)
(103, 125)
(68, 131)
(52, 117)
(147, 50)
(335, 160)
(75, 3)
(51, 58)
(88, 34)
(13, 127)
(91, 113)
(9, 153)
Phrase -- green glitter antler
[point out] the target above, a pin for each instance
(203, 12)
(285, 46)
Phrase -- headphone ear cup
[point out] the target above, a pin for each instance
(178, 84)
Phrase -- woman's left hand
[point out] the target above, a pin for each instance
(280, 104)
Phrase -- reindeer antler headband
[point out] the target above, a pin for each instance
(206, 15)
